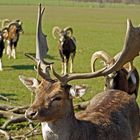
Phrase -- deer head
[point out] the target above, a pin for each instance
(53, 99)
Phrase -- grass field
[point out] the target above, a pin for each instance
(95, 29)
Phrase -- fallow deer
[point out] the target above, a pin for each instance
(111, 115)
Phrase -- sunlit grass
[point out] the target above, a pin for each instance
(94, 28)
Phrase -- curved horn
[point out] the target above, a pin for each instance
(103, 56)
(56, 30)
(4, 21)
(12, 23)
(5, 32)
(69, 31)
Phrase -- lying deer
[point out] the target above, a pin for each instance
(66, 46)
(111, 114)
(126, 78)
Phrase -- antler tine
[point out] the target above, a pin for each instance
(45, 66)
(45, 75)
(37, 60)
(69, 77)
(31, 57)
(41, 9)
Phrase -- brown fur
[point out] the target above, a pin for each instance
(122, 80)
(111, 115)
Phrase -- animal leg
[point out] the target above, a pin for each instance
(67, 65)
(62, 71)
(4, 51)
(13, 54)
(65, 68)
(0, 64)
(62, 60)
(71, 62)
(71, 66)
(8, 51)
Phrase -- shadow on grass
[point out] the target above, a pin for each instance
(8, 97)
(50, 57)
(23, 67)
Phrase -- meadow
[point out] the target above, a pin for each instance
(95, 28)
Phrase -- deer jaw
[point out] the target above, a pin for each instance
(49, 105)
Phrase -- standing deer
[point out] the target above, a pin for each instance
(126, 78)
(66, 46)
(111, 115)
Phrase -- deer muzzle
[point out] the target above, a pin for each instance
(31, 114)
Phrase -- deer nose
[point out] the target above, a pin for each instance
(30, 114)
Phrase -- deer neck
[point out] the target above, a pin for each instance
(64, 126)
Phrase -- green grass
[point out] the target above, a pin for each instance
(95, 29)
(71, 3)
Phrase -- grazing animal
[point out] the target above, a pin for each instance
(110, 115)
(126, 78)
(11, 35)
(66, 46)
(1, 48)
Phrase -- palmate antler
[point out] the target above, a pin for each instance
(41, 41)
(41, 48)
(130, 50)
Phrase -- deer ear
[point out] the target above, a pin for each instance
(77, 90)
(30, 83)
